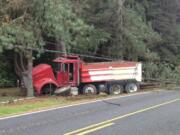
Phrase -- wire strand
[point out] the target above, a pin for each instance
(87, 52)
(60, 52)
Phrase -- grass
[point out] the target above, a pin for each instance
(40, 103)
(8, 94)
(28, 105)
(176, 88)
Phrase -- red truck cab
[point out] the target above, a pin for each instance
(65, 73)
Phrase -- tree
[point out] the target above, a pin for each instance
(67, 28)
(28, 25)
(7, 76)
(162, 14)
(139, 36)
(105, 15)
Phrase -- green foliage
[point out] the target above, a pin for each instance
(58, 21)
(49, 19)
(145, 30)
(139, 37)
(18, 35)
(18, 28)
(6, 78)
(162, 14)
(161, 71)
(102, 15)
(177, 74)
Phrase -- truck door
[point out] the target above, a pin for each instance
(68, 74)
(73, 74)
(65, 74)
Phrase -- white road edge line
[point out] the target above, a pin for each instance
(56, 108)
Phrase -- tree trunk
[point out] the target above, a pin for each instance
(120, 4)
(19, 72)
(61, 47)
(23, 67)
(119, 30)
(27, 75)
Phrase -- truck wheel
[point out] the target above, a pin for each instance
(89, 89)
(48, 89)
(131, 87)
(115, 89)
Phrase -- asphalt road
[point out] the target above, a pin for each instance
(153, 113)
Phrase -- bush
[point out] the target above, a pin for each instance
(161, 71)
(7, 83)
(7, 76)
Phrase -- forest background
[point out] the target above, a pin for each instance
(133, 30)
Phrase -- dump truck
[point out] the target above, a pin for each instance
(70, 72)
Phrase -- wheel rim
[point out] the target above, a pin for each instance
(89, 90)
(116, 89)
(133, 88)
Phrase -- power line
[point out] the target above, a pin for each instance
(82, 55)
(89, 53)
(60, 52)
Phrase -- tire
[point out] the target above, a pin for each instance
(90, 89)
(131, 87)
(48, 89)
(115, 89)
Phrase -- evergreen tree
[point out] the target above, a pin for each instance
(28, 24)
(162, 14)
